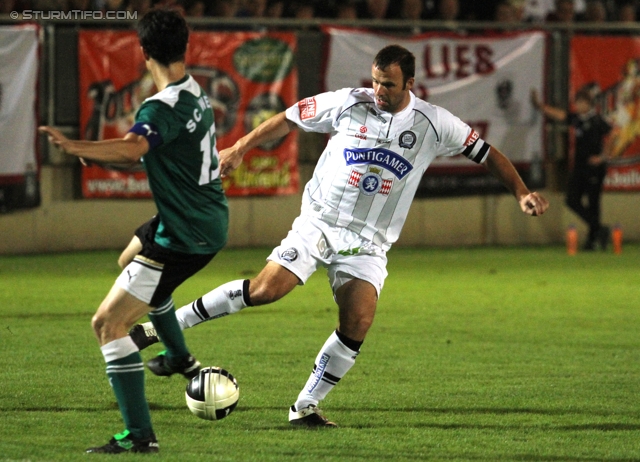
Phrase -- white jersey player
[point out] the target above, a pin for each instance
(353, 209)
(369, 172)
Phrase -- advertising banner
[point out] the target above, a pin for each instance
(609, 67)
(19, 167)
(485, 80)
(248, 76)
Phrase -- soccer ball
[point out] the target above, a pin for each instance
(212, 394)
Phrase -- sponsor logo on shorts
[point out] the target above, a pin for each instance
(289, 255)
(323, 247)
(407, 139)
(307, 108)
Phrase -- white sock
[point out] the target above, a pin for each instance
(332, 363)
(118, 348)
(227, 299)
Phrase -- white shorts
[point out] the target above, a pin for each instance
(312, 243)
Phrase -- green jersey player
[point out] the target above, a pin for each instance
(174, 137)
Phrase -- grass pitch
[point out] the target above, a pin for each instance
(479, 354)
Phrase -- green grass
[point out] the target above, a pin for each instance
(479, 354)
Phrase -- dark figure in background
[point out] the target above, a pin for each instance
(589, 166)
(564, 12)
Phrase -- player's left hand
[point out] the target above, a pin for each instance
(533, 204)
(596, 160)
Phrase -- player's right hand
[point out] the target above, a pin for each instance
(55, 136)
(230, 159)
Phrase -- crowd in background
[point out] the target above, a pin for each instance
(532, 11)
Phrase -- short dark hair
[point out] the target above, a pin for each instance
(585, 96)
(395, 54)
(164, 35)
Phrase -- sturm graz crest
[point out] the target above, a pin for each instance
(407, 139)
(370, 183)
(289, 255)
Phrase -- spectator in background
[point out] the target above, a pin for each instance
(139, 6)
(114, 5)
(253, 9)
(595, 11)
(50, 5)
(589, 162)
(83, 5)
(411, 10)
(448, 10)
(538, 10)
(194, 8)
(373, 9)
(225, 8)
(505, 12)
(7, 6)
(518, 7)
(302, 9)
(275, 9)
(627, 12)
(347, 10)
(563, 12)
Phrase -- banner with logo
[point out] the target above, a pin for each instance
(485, 80)
(19, 167)
(609, 67)
(248, 76)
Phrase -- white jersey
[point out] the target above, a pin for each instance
(369, 172)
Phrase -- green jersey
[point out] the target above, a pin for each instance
(182, 168)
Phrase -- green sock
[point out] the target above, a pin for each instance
(126, 376)
(167, 327)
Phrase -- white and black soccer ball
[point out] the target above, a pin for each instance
(212, 394)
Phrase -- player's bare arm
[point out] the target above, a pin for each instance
(531, 203)
(123, 150)
(271, 129)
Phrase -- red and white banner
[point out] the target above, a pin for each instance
(18, 90)
(609, 67)
(485, 80)
(248, 76)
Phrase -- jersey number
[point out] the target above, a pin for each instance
(210, 158)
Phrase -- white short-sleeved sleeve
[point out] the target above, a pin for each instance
(318, 113)
(456, 137)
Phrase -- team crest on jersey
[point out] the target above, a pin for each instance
(370, 182)
(290, 255)
(407, 139)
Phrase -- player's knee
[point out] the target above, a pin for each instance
(364, 324)
(356, 328)
(98, 324)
